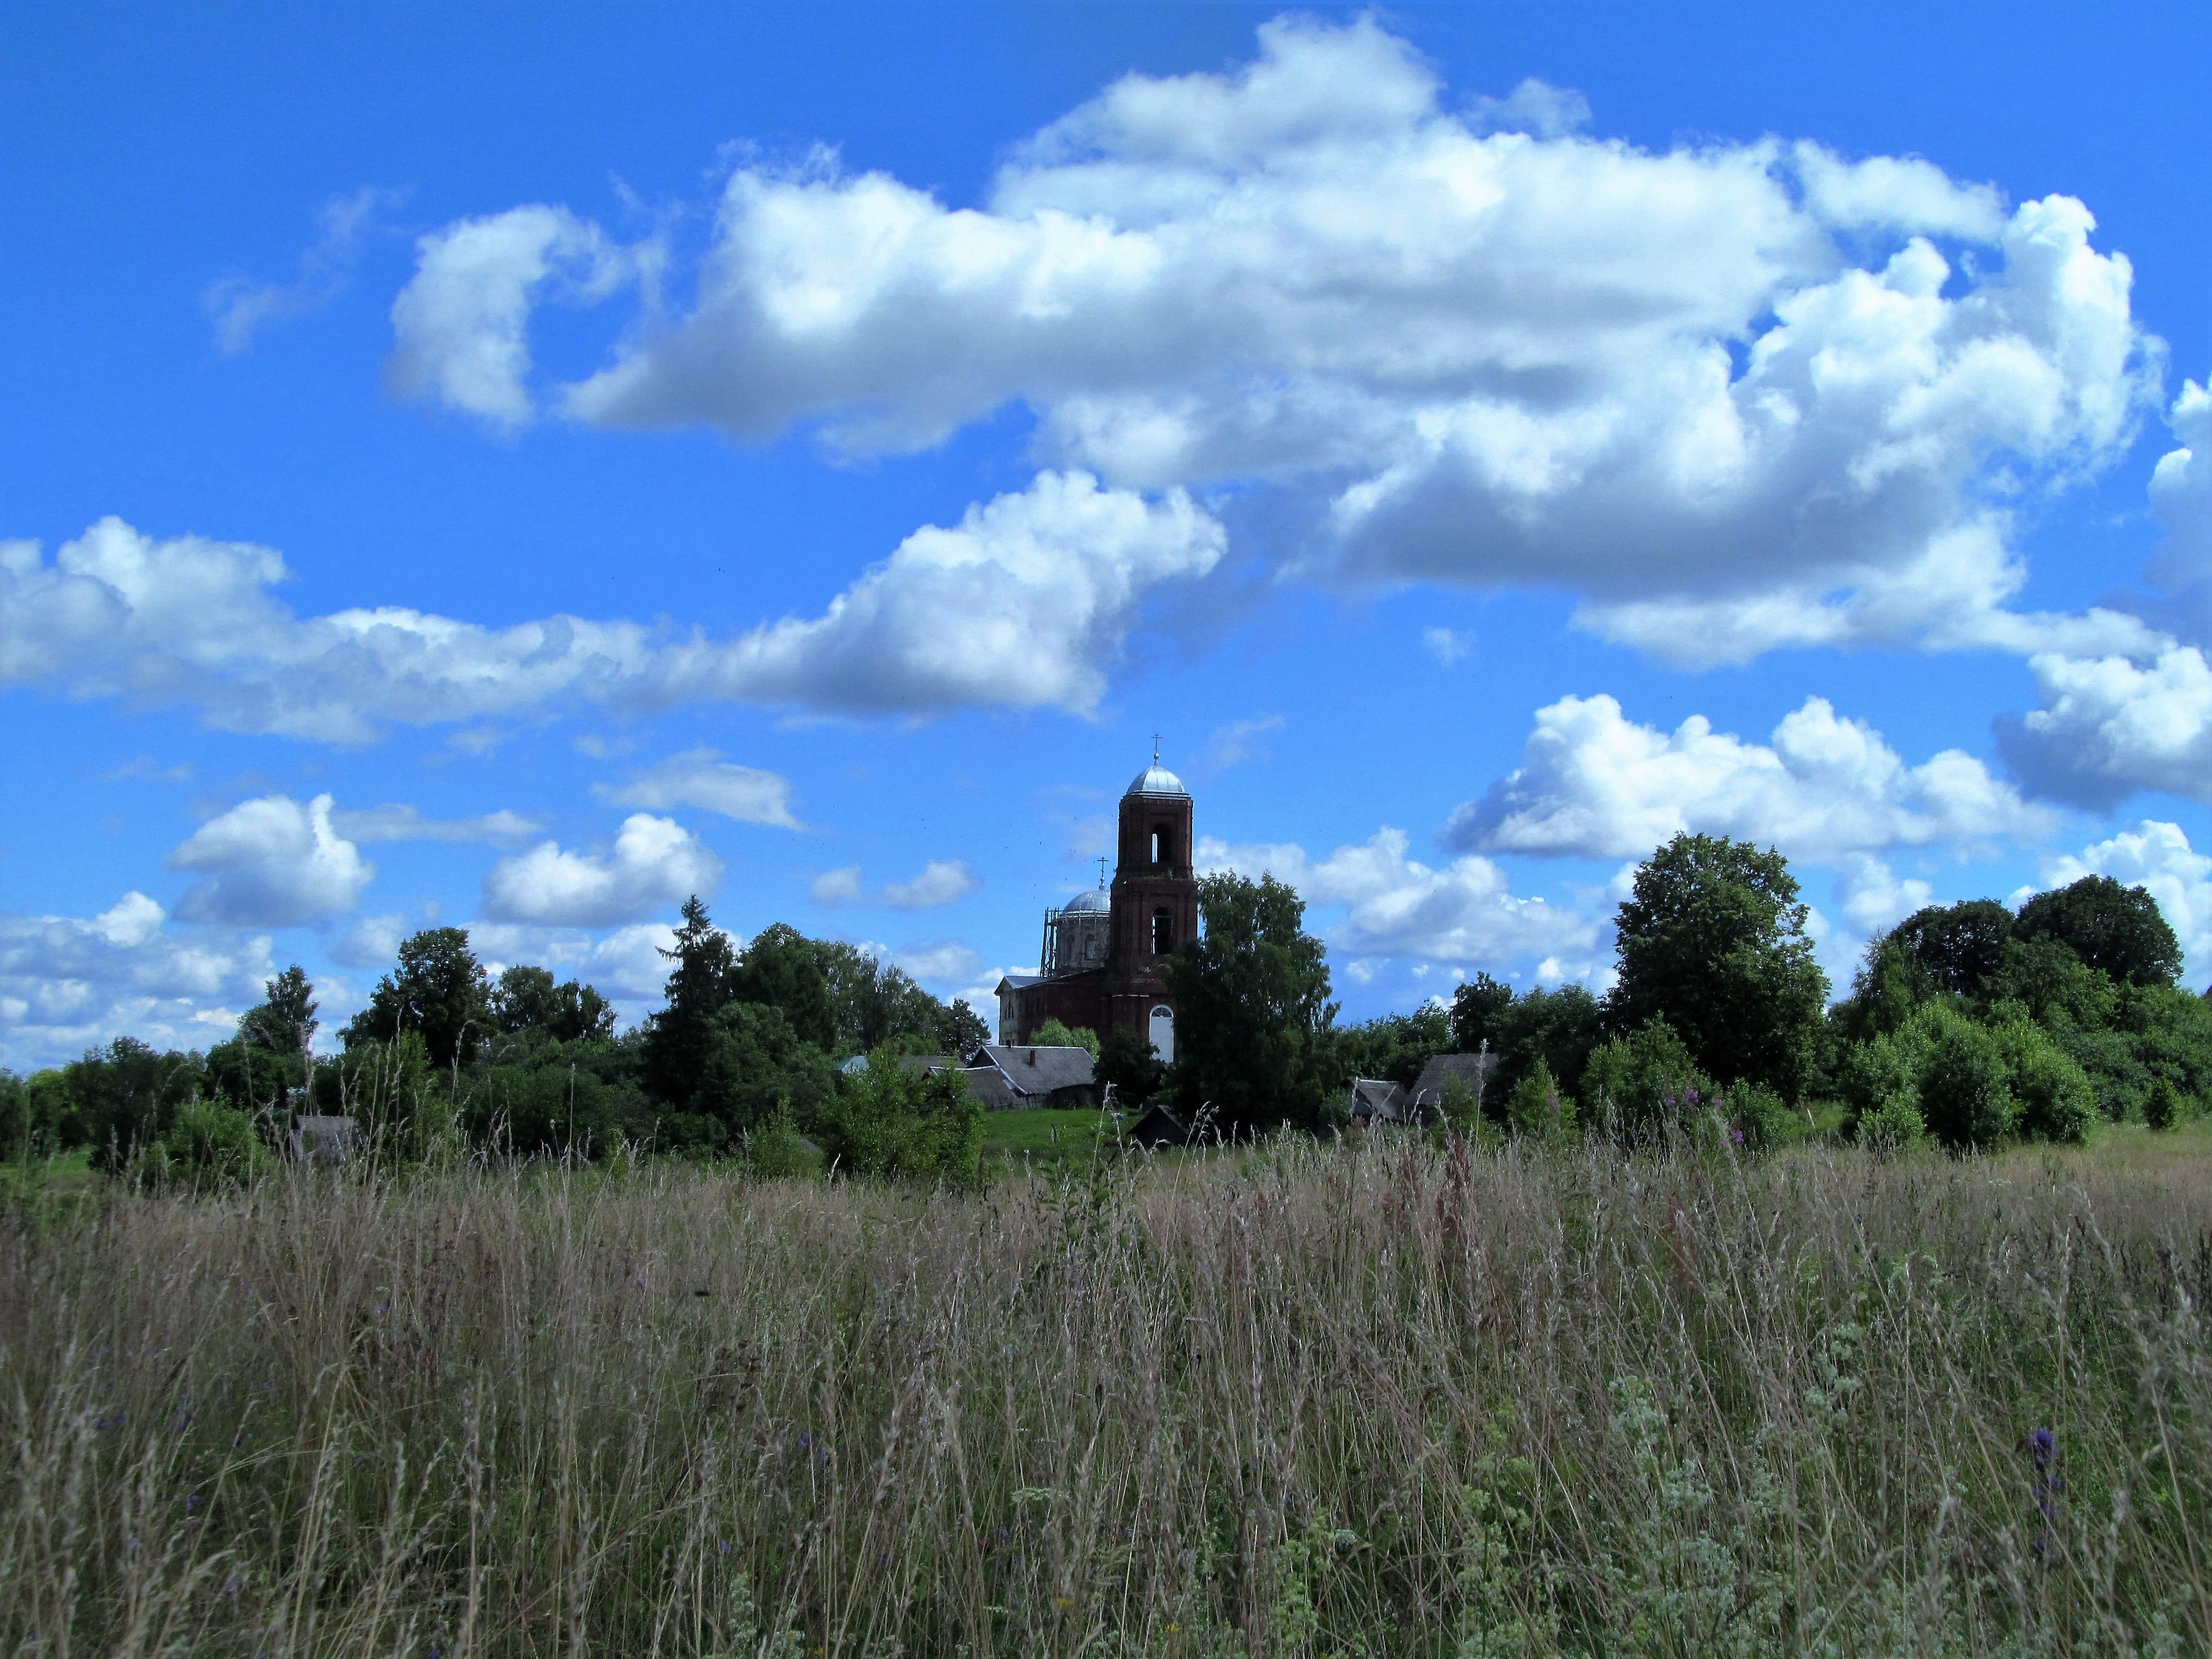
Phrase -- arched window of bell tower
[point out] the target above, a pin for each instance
(1163, 844)
(1162, 930)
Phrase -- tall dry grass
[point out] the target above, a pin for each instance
(1323, 1399)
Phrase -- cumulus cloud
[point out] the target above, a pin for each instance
(240, 308)
(1395, 905)
(625, 963)
(654, 862)
(941, 881)
(940, 961)
(1873, 897)
(2181, 495)
(1022, 603)
(68, 982)
(1475, 348)
(701, 778)
(460, 328)
(1593, 783)
(2110, 725)
(270, 862)
(1446, 645)
(2157, 857)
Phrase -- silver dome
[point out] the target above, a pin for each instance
(1156, 780)
(1092, 900)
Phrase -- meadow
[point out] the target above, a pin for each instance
(1369, 1397)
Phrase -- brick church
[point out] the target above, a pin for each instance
(1104, 962)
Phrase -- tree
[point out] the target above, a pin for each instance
(1054, 1035)
(961, 1030)
(2114, 929)
(126, 1096)
(1479, 1012)
(439, 989)
(1956, 949)
(783, 968)
(526, 999)
(284, 1024)
(1393, 1047)
(1253, 1021)
(679, 1037)
(1642, 1083)
(1712, 940)
(1129, 1064)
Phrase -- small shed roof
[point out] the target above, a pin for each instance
(1160, 1126)
(1034, 1069)
(1377, 1100)
(989, 1087)
(1473, 1070)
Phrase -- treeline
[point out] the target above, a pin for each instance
(1966, 1024)
(445, 1061)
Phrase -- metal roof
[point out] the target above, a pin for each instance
(1033, 1070)
(1082, 902)
(1156, 780)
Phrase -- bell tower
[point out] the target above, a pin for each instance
(1154, 903)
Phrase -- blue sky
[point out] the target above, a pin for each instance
(518, 467)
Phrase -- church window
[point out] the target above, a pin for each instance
(1162, 930)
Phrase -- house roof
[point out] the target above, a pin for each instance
(1031, 1069)
(1473, 1070)
(1156, 780)
(1160, 1126)
(1017, 982)
(989, 1087)
(1379, 1100)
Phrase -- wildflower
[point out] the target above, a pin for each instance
(1735, 1136)
(192, 1502)
(2043, 1449)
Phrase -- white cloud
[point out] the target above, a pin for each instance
(1022, 603)
(2181, 495)
(1741, 375)
(942, 962)
(2113, 725)
(239, 308)
(67, 983)
(460, 327)
(1239, 741)
(701, 778)
(835, 887)
(1534, 106)
(2158, 857)
(1873, 898)
(654, 862)
(941, 881)
(398, 822)
(371, 942)
(1397, 907)
(270, 862)
(1595, 784)
(1446, 646)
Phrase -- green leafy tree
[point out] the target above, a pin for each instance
(439, 991)
(2114, 929)
(526, 999)
(2162, 1105)
(1480, 1010)
(1128, 1061)
(782, 968)
(1712, 941)
(126, 1095)
(961, 1030)
(1536, 1107)
(1253, 1021)
(1964, 1090)
(1956, 949)
(2052, 1094)
(1054, 1035)
(209, 1145)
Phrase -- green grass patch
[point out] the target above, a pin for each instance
(1043, 1134)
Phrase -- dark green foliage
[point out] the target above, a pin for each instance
(1478, 1011)
(2052, 1096)
(889, 1122)
(678, 1038)
(527, 1000)
(1536, 1106)
(1712, 941)
(962, 1029)
(251, 1078)
(782, 969)
(22, 1137)
(1128, 1061)
(1955, 950)
(1253, 1015)
(125, 1096)
(1637, 1086)
(402, 1107)
(1965, 1098)
(1555, 1028)
(551, 1108)
(439, 991)
(1393, 1046)
(1755, 1111)
(2114, 929)
(756, 1063)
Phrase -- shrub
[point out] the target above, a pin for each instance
(1536, 1107)
(210, 1144)
(776, 1151)
(1054, 1035)
(1757, 1111)
(1966, 1095)
(2055, 1100)
(893, 1124)
(1638, 1086)
(2162, 1105)
(1894, 1126)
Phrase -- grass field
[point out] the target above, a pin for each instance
(1356, 1400)
(1044, 1136)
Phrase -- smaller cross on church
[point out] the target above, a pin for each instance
(1101, 870)
(1156, 749)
